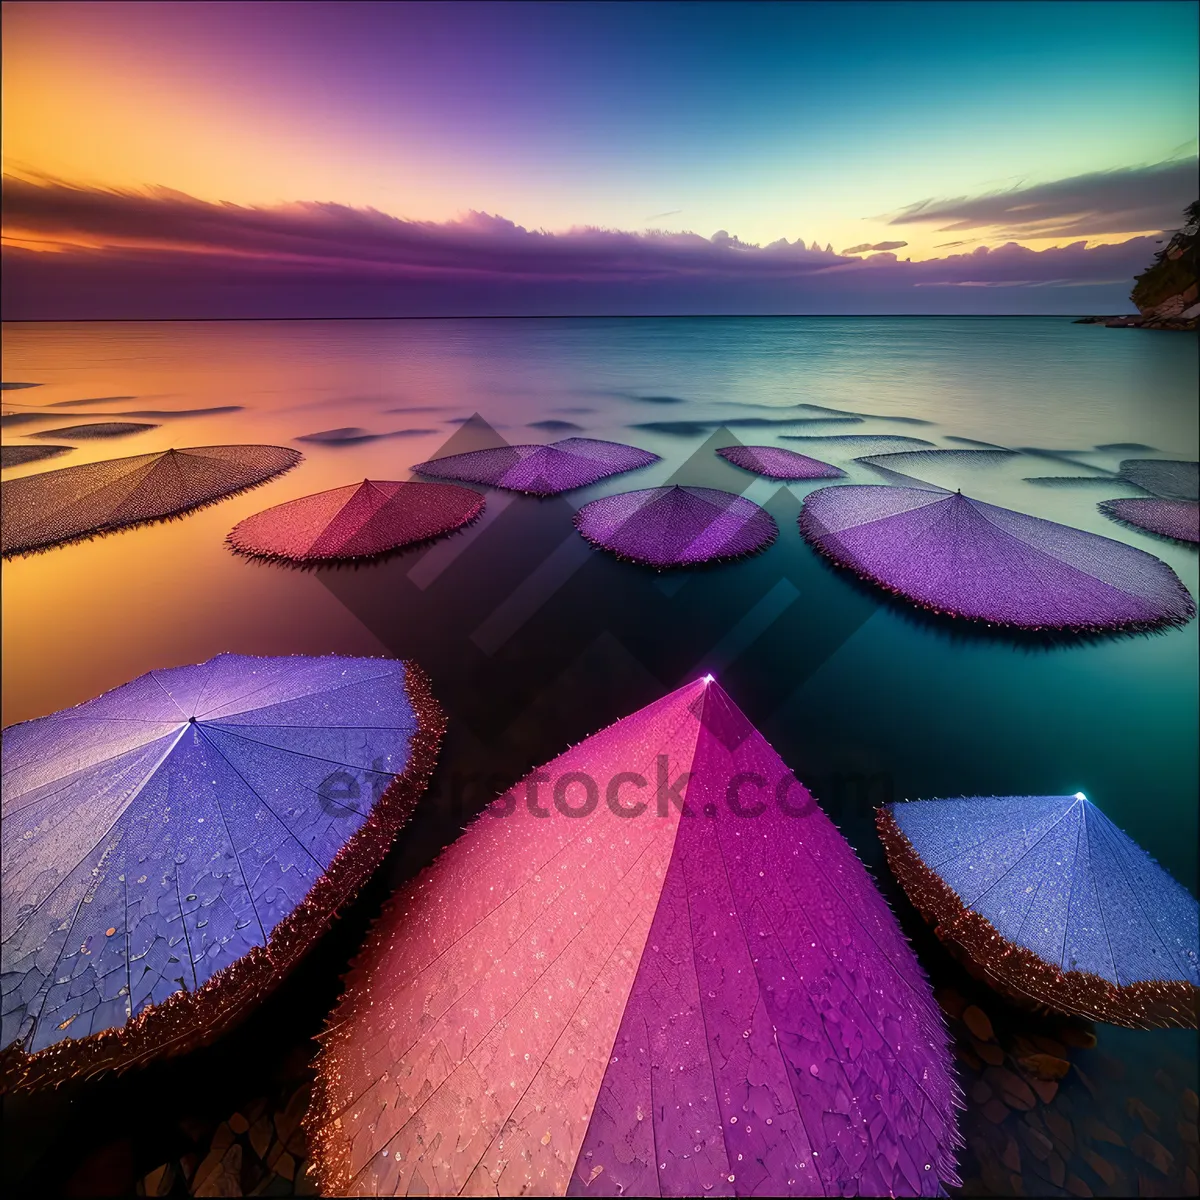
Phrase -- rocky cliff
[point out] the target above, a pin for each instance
(1167, 289)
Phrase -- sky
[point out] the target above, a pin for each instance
(587, 150)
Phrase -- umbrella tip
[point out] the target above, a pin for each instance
(707, 679)
(1080, 796)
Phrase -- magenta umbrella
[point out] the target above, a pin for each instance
(654, 967)
(360, 520)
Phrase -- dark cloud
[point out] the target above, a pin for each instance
(150, 255)
(1128, 200)
(878, 246)
(553, 426)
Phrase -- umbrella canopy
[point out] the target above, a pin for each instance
(1178, 519)
(96, 429)
(955, 555)
(357, 521)
(594, 993)
(18, 456)
(676, 526)
(777, 463)
(40, 511)
(1170, 478)
(540, 470)
(172, 847)
(1054, 902)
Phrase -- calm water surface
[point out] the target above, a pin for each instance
(533, 640)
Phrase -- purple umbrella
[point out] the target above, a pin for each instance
(172, 847)
(959, 556)
(1053, 902)
(777, 463)
(540, 470)
(40, 511)
(1178, 519)
(653, 968)
(676, 526)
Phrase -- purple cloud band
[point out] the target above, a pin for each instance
(1129, 200)
(163, 253)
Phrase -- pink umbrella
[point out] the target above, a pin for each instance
(654, 967)
(360, 520)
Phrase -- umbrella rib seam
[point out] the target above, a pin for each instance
(238, 859)
(291, 699)
(337, 762)
(1062, 957)
(124, 808)
(321, 867)
(565, 1029)
(67, 780)
(1118, 856)
(533, 920)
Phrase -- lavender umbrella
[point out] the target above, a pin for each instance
(777, 463)
(360, 520)
(609, 997)
(676, 526)
(955, 555)
(172, 847)
(540, 470)
(1054, 902)
(1178, 519)
(40, 511)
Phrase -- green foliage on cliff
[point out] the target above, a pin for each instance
(1175, 267)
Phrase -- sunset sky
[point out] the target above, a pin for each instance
(924, 130)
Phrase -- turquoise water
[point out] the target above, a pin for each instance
(533, 640)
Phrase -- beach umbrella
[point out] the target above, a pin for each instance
(95, 429)
(359, 520)
(676, 526)
(1053, 902)
(18, 456)
(40, 511)
(1170, 478)
(952, 554)
(173, 846)
(1178, 519)
(540, 470)
(777, 463)
(596, 992)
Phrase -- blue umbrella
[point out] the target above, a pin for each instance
(172, 847)
(1053, 902)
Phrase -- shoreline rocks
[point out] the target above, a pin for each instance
(1187, 321)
